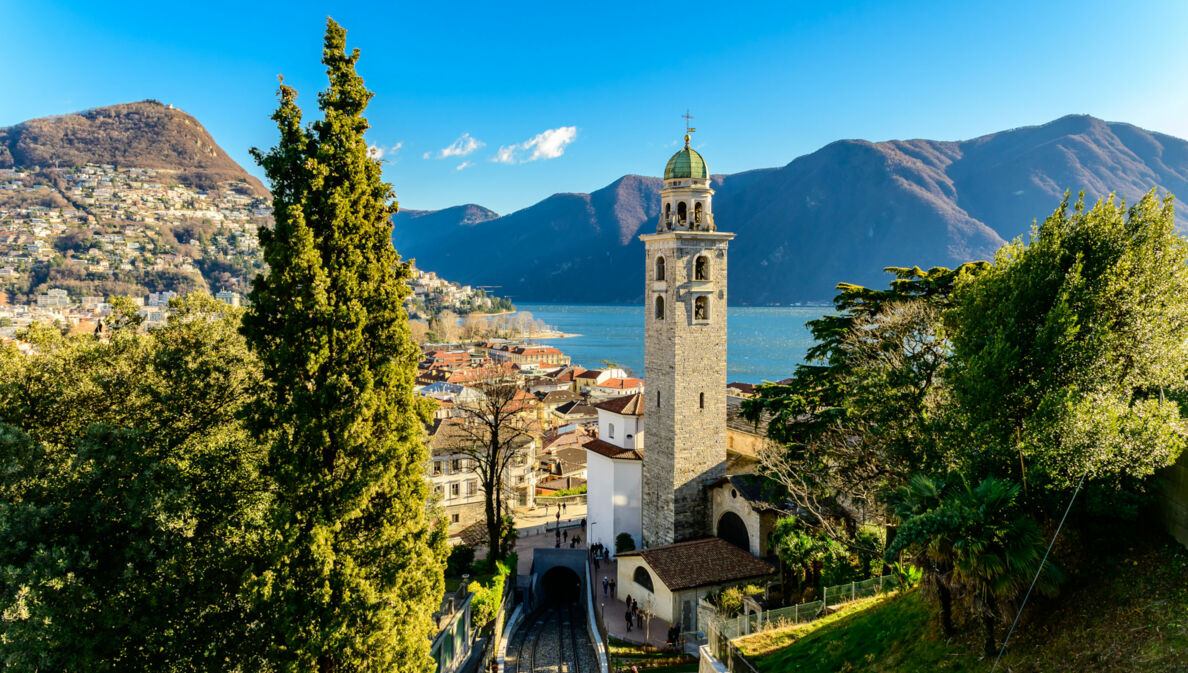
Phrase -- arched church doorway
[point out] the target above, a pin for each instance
(732, 529)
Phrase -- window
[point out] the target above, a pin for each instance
(659, 268)
(610, 430)
(659, 308)
(701, 268)
(455, 490)
(701, 308)
(668, 214)
(697, 213)
(701, 400)
(682, 212)
(471, 487)
(436, 468)
(643, 578)
(455, 465)
(454, 518)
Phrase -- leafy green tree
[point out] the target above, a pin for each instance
(354, 569)
(806, 553)
(1065, 349)
(130, 498)
(861, 415)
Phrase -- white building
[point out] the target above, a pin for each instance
(614, 471)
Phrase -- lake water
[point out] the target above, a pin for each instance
(765, 343)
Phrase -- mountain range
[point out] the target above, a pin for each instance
(842, 213)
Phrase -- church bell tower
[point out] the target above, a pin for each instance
(685, 355)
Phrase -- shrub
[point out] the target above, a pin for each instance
(624, 542)
(460, 560)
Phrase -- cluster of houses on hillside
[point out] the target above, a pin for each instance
(432, 294)
(116, 216)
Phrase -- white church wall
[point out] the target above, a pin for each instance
(616, 429)
(628, 502)
(600, 498)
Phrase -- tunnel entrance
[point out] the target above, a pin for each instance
(561, 585)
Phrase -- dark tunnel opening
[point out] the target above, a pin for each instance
(561, 585)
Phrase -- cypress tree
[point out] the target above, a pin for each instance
(353, 570)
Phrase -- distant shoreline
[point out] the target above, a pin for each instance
(551, 335)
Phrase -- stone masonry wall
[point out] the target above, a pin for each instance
(685, 360)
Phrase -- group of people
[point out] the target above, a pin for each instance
(573, 541)
(634, 616)
(608, 585)
(599, 553)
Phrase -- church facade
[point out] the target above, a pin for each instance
(685, 355)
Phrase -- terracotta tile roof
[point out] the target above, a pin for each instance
(568, 374)
(699, 563)
(576, 409)
(627, 405)
(621, 384)
(747, 388)
(611, 451)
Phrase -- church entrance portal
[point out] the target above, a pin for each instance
(732, 529)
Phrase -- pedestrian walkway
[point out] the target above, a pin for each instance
(538, 516)
(614, 613)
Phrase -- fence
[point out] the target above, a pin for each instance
(722, 630)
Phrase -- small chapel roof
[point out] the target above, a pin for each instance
(611, 451)
(626, 405)
(698, 563)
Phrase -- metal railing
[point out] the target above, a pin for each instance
(723, 630)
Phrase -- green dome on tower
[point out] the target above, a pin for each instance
(686, 163)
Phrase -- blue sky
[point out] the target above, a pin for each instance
(563, 96)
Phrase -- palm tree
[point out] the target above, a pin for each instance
(927, 532)
(999, 553)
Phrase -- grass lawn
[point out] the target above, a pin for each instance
(625, 654)
(1128, 613)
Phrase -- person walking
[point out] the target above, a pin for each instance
(605, 585)
(565, 535)
(627, 618)
(563, 509)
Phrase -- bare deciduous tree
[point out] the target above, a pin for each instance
(499, 427)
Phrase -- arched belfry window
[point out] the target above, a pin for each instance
(659, 308)
(701, 308)
(701, 268)
(682, 212)
(659, 268)
(697, 213)
(643, 578)
(668, 215)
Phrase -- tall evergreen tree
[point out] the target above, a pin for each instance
(355, 568)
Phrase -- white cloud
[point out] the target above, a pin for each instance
(505, 155)
(465, 144)
(376, 151)
(548, 144)
(464, 164)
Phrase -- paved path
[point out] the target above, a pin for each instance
(614, 612)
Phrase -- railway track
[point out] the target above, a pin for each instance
(551, 640)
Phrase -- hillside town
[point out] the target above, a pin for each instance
(73, 238)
